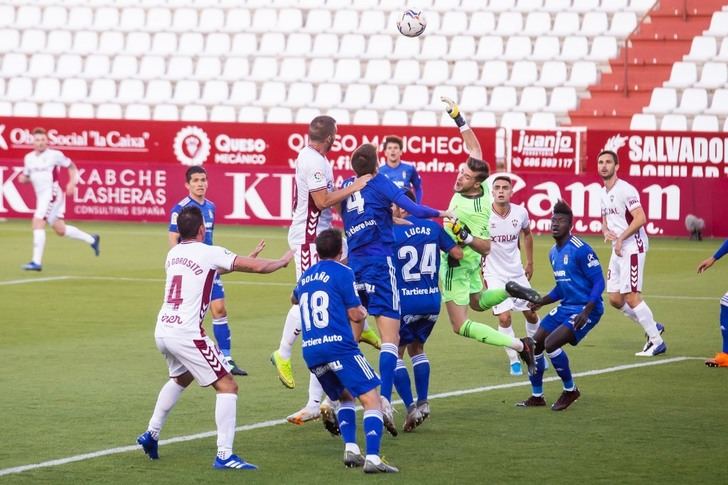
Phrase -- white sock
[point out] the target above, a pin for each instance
(168, 396)
(39, 237)
(291, 331)
(315, 391)
(512, 354)
(627, 310)
(225, 412)
(531, 328)
(353, 447)
(75, 233)
(374, 459)
(647, 321)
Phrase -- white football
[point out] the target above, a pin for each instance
(412, 23)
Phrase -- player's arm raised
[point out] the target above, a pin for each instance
(247, 264)
(325, 199)
(471, 141)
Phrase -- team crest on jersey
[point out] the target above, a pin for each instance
(191, 146)
(566, 259)
(611, 199)
(515, 223)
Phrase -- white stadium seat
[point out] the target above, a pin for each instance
(164, 43)
(365, 117)
(138, 43)
(372, 21)
(523, 73)
(85, 42)
(718, 24)
(702, 49)
(305, 115)
(682, 75)
(693, 101)
(290, 20)
(705, 123)
(603, 48)
(583, 74)
(328, 95)
(193, 112)
(73, 89)
(130, 91)
(674, 122)
(271, 44)
(106, 18)
(123, 67)
(553, 73)
(132, 19)
(434, 47)
(594, 23)
(481, 23)
(542, 121)
(244, 44)
(102, 90)
(19, 88)
(272, 94)
(217, 44)
(165, 112)
(237, 20)
(501, 5)
(110, 111)
(546, 48)
(347, 71)
(207, 68)
(719, 103)
(502, 99)
(235, 68)
(317, 20)
(151, 67)
(438, 92)
(404, 48)
(138, 112)
(7, 15)
(53, 110)
(298, 44)
(11, 41)
(623, 23)
(251, 114)
(565, 24)
(513, 120)
(537, 23)
(212, 20)
(179, 68)
(643, 121)
(81, 110)
(509, 23)
(517, 47)
(473, 98)
(14, 65)
(483, 119)
(80, 18)
(378, 71)
(191, 43)
(25, 108)
(59, 41)
(423, 118)
(340, 115)
(68, 65)
(453, 22)
(243, 93)
(158, 19)
(414, 97)
(435, 73)
(263, 20)
(110, 42)
(723, 53)
(214, 92)
(345, 21)
(47, 89)
(462, 47)
(352, 45)
(556, 6)
(385, 97)
(32, 41)
(713, 75)
(612, 6)
(54, 17)
(394, 117)
(222, 114)
(574, 48)
(292, 69)
(27, 16)
(495, 73)
(464, 73)
(264, 69)
(489, 47)
(532, 99)
(583, 6)
(278, 114)
(563, 99)
(357, 96)
(299, 94)
(158, 91)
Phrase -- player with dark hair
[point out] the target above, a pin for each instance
(191, 266)
(41, 168)
(721, 358)
(417, 260)
(462, 283)
(196, 184)
(330, 308)
(623, 223)
(403, 174)
(579, 287)
(367, 216)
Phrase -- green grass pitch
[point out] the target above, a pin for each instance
(80, 373)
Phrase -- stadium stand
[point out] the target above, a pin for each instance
(511, 62)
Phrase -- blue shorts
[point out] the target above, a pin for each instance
(350, 372)
(218, 292)
(564, 315)
(416, 328)
(376, 279)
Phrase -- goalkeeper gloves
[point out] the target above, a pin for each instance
(454, 111)
(461, 232)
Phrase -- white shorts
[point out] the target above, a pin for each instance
(305, 256)
(515, 304)
(200, 357)
(625, 273)
(50, 206)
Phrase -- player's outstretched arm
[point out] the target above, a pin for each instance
(246, 264)
(471, 141)
(417, 210)
(325, 199)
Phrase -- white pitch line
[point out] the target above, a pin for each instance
(276, 422)
(35, 280)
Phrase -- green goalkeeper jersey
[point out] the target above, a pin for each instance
(474, 211)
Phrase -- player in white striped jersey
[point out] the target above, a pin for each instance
(191, 268)
(41, 168)
(623, 223)
(503, 263)
(313, 199)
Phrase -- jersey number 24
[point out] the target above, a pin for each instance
(427, 266)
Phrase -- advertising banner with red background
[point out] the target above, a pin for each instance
(545, 151)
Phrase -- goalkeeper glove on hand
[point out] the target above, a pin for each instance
(454, 111)
(461, 232)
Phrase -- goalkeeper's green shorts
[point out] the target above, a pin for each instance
(459, 282)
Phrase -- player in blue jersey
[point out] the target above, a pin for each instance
(196, 183)
(332, 317)
(401, 173)
(579, 287)
(367, 216)
(417, 261)
(721, 358)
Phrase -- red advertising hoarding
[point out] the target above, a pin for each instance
(545, 151)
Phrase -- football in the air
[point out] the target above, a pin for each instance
(412, 23)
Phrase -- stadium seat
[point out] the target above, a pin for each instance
(513, 120)
(693, 101)
(495, 73)
(32, 41)
(298, 45)
(59, 41)
(529, 5)
(7, 15)
(106, 18)
(623, 23)
(151, 67)
(553, 73)
(523, 73)
(718, 24)
(423, 118)
(179, 68)
(385, 97)
(438, 92)
(357, 96)
(365, 117)
(723, 52)
(445, 5)
(537, 23)
(464, 73)
(372, 21)
(682, 75)
(193, 112)
(11, 41)
(414, 97)
(158, 91)
(483, 119)
(641, 6)
(164, 43)
(48, 89)
(546, 48)
(574, 48)
(345, 21)
(435, 73)
(158, 19)
(14, 65)
(271, 44)
(542, 121)
(289, 20)
(25, 108)
(68, 65)
(244, 44)
(489, 48)
(212, 20)
(251, 114)
(662, 100)
(27, 16)
(705, 123)
(263, 20)
(454, 22)
(263, 69)
(556, 6)
(81, 110)
(123, 67)
(137, 112)
(272, 93)
(217, 44)
(352, 46)
(138, 43)
(130, 91)
(165, 112)
(237, 20)
(85, 42)
(395, 118)
(583, 74)
(305, 115)
(674, 122)
(594, 23)
(501, 5)
(643, 121)
(725, 125)
(279, 114)
(481, 23)
(214, 92)
(603, 48)
(517, 47)
(243, 93)
(565, 24)
(404, 48)
(563, 99)
(532, 99)
(703, 48)
(612, 6)
(207, 68)
(111, 111)
(328, 95)
(132, 19)
(96, 66)
(714, 75)
(341, 116)
(462, 47)
(509, 23)
(292, 69)
(299, 94)
(102, 90)
(719, 103)
(473, 98)
(235, 68)
(221, 113)
(193, 43)
(18, 89)
(80, 18)
(349, 70)
(502, 99)
(317, 20)
(377, 71)
(72, 90)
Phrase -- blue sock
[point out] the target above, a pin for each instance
(347, 421)
(387, 364)
(421, 370)
(724, 321)
(222, 335)
(373, 426)
(402, 383)
(561, 364)
(537, 378)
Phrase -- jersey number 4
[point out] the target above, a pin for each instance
(174, 296)
(355, 203)
(315, 309)
(428, 264)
